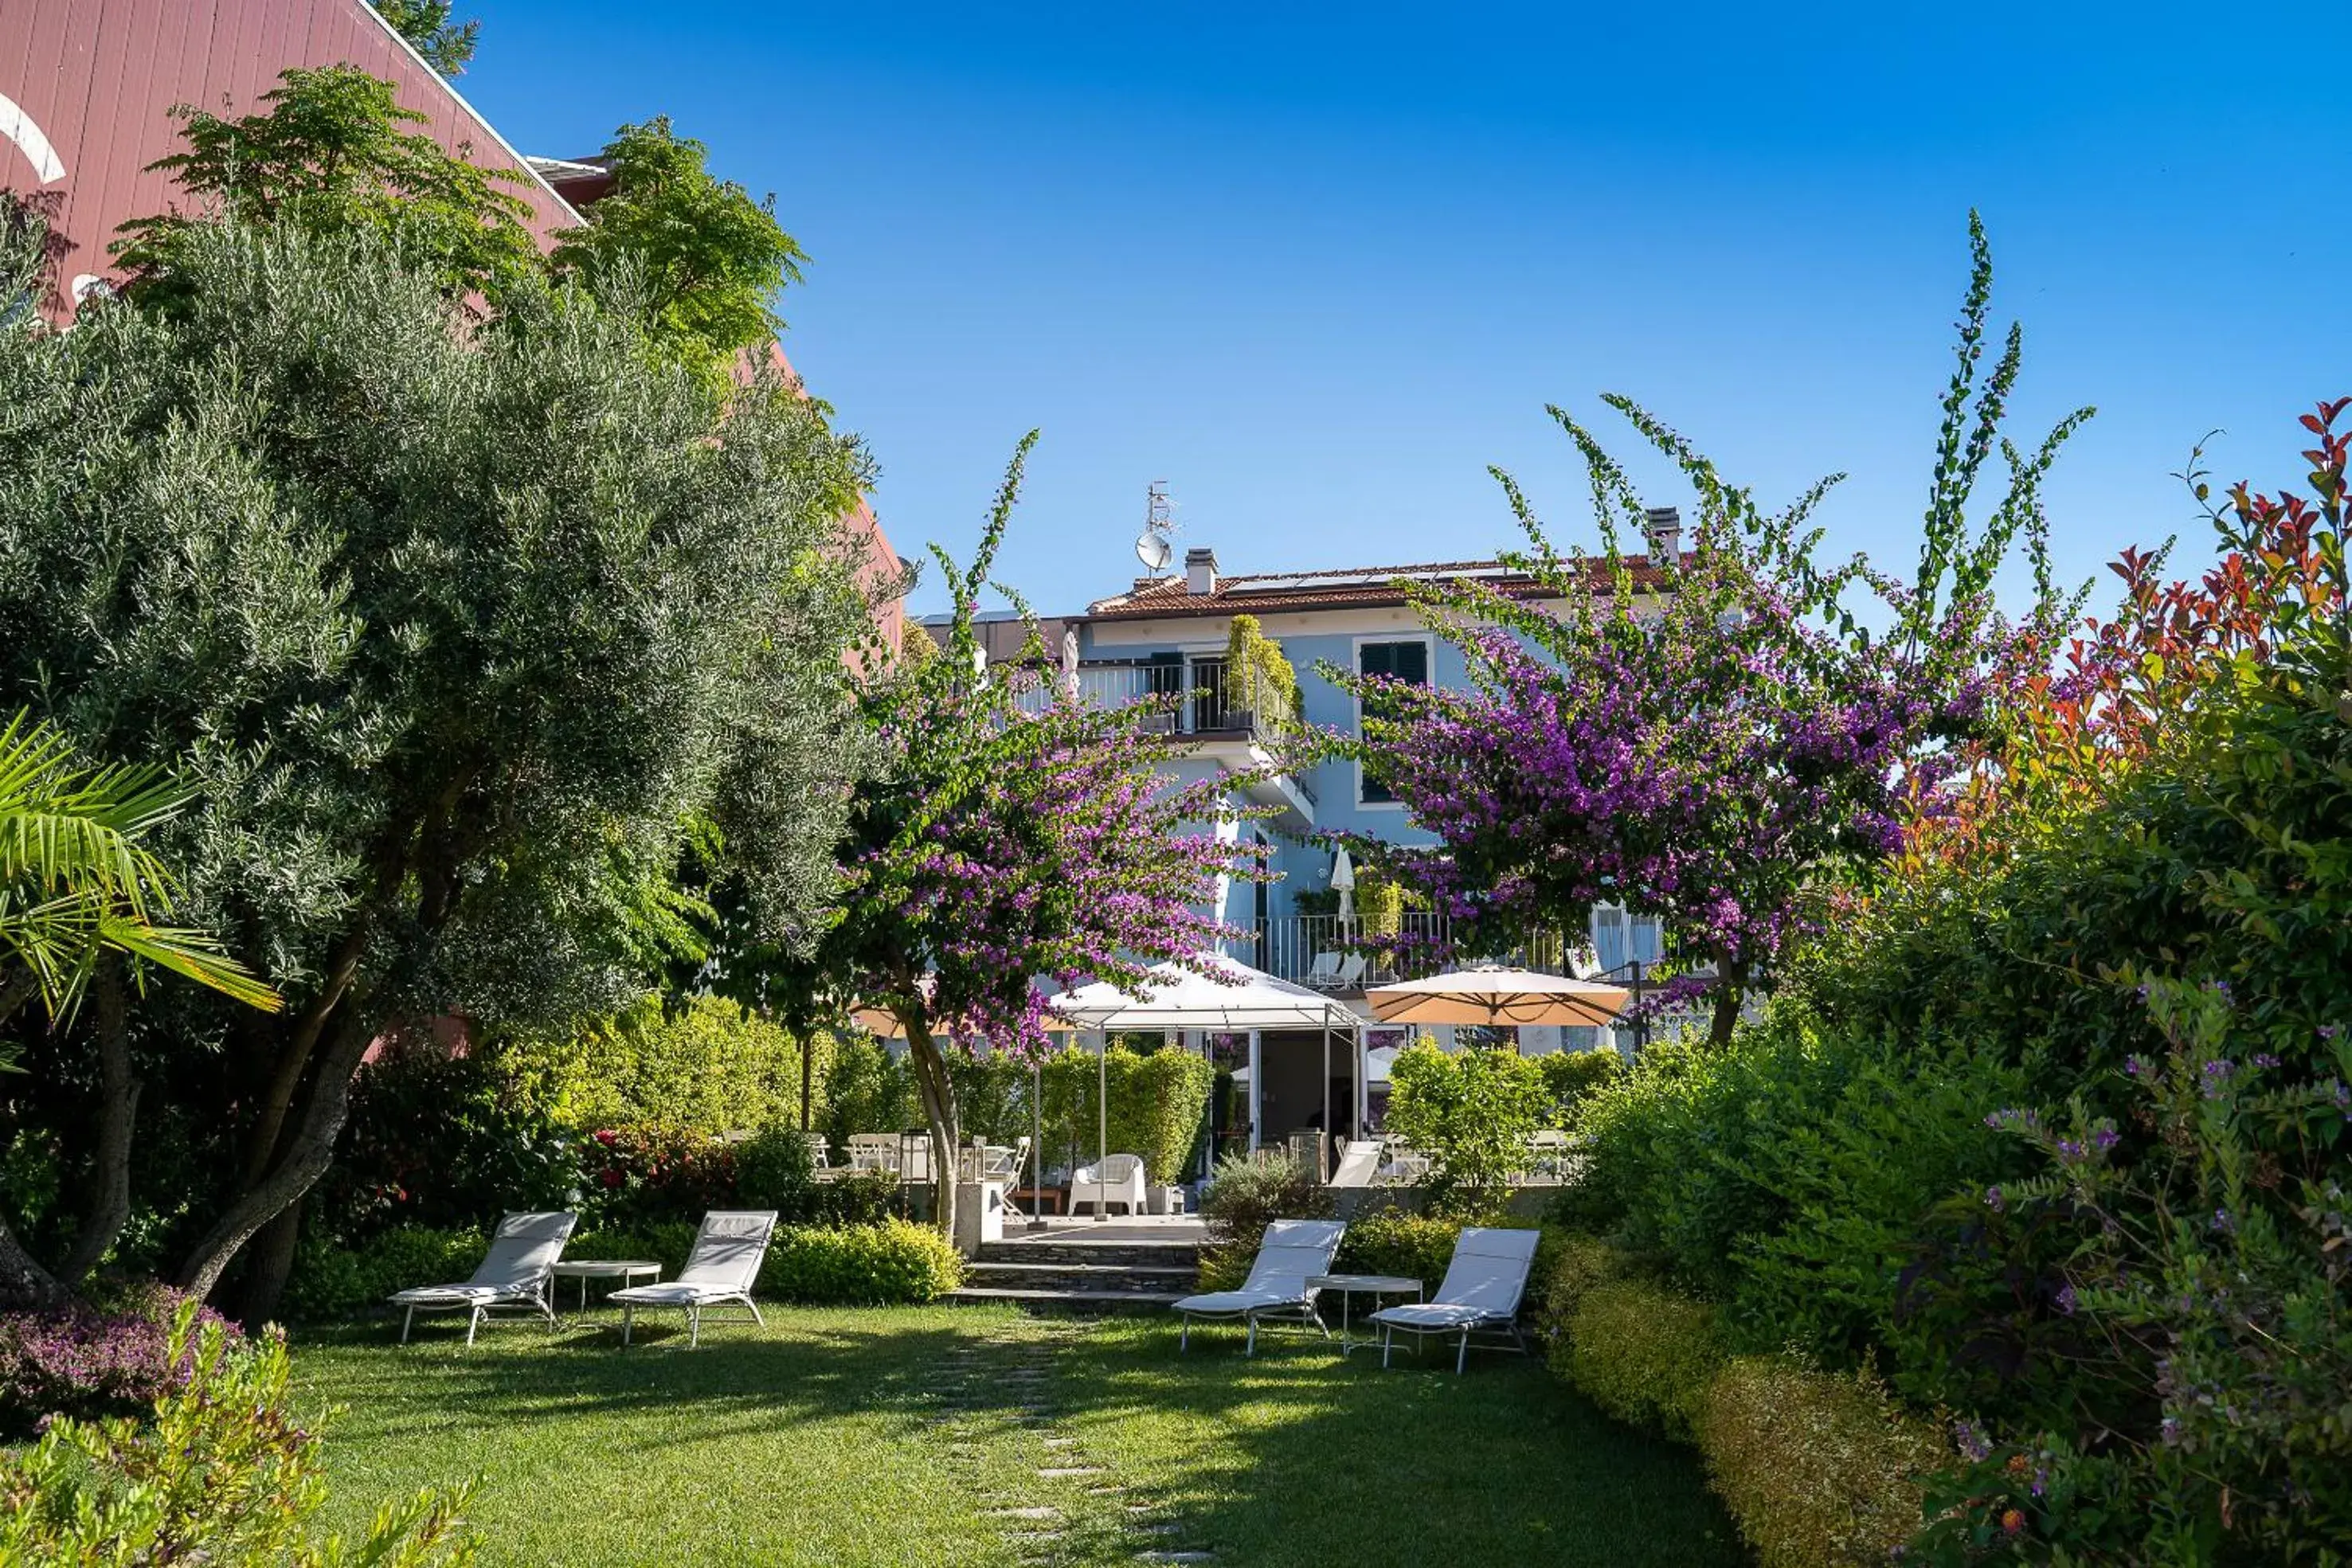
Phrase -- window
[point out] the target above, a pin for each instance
(1404, 660)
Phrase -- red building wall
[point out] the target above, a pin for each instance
(94, 80)
(86, 87)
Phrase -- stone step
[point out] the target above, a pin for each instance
(1081, 1277)
(1078, 1304)
(1071, 1250)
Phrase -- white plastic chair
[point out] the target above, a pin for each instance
(820, 1151)
(719, 1271)
(874, 1151)
(1292, 1252)
(1480, 1295)
(1359, 1161)
(516, 1274)
(1120, 1179)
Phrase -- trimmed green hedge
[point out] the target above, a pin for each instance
(1816, 1469)
(1643, 1353)
(867, 1265)
(861, 1265)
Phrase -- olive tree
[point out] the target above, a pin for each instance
(464, 629)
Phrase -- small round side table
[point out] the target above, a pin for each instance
(1352, 1285)
(624, 1270)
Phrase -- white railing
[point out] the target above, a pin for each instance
(1323, 950)
(1195, 697)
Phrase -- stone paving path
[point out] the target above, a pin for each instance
(994, 1400)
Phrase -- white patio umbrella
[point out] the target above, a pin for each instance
(1495, 996)
(1343, 883)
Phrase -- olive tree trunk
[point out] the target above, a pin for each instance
(936, 1090)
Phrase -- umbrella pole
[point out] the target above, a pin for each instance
(1102, 1125)
(1323, 1143)
(1037, 1145)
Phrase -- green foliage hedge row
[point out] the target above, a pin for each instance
(703, 1065)
(1816, 1469)
(887, 1262)
(1159, 1102)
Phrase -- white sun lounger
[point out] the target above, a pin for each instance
(1360, 1163)
(1293, 1252)
(515, 1274)
(1480, 1295)
(719, 1271)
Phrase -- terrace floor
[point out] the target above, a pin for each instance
(979, 1436)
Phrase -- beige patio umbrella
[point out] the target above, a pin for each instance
(1495, 996)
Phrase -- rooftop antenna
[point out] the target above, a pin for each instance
(1155, 545)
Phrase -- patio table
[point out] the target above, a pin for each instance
(1352, 1285)
(624, 1270)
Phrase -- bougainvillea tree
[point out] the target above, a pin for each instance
(1005, 832)
(1713, 736)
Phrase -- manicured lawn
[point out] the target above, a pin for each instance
(901, 1435)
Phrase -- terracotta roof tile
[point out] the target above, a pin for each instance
(1370, 586)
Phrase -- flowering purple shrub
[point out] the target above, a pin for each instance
(1008, 830)
(1711, 736)
(88, 1359)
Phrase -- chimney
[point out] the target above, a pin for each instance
(1201, 570)
(1664, 527)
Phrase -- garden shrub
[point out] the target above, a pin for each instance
(1643, 1353)
(221, 1471)
(1167, 1096)
(1392, 1241)
(865, 1091)
(1472, 1112)
(332, 1281)
(861, 1265)
(702, 1064)
(106, 1356)
(1248, 1193)
(439, 1141)
(1570, 1078)
(1818, 1470)
(1576, 1265)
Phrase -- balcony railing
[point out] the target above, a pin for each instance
(1195, 697)
(1322, 949)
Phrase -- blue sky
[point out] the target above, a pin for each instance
(1317, 268)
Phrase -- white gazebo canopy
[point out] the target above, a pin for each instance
(1176, 998)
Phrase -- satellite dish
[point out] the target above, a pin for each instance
(1153, 547)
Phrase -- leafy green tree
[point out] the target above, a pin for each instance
(1471, 1113)
(464, 637)
(447, 46)
(330, 154)
(708, 260)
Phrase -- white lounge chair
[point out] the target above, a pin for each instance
(1324, 973)
(874, 1151)
(1480, 1295)
(1120, 1179)
(1351, 973)
(719, 1271)
(516, 1274)
(1293, 1252)
(1358, 1163)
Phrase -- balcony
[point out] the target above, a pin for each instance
(1236, 722)
(1317, 950)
